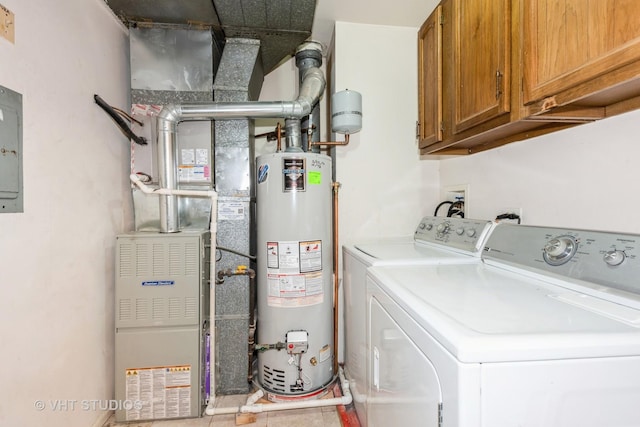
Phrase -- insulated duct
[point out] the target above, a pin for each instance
(312, 87)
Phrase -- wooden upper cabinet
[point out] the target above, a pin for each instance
(430, 80)
(494, 72)
(481, 61)
(568, 43)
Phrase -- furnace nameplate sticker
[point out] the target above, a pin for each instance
(188, 156)
(231, 211)
(194, 165)
(202, 156)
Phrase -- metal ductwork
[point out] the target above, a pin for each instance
(280, 25)
(308, 57)
(194, 61)
(310, 91)
(312, 87)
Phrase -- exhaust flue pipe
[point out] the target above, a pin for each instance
(312, 87)
(309, 55)
(293, 135)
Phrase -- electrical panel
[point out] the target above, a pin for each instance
(162, 325)
(11, 198)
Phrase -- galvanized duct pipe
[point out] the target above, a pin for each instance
(309, 55)
(293, 135)
(312, 87)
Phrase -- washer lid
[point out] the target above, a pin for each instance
(484, 313)
(408, 252)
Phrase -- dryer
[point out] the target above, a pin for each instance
(544, 332)
(436, 240)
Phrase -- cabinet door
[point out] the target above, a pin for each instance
(430, 80)
(481, 61)
(569, 42)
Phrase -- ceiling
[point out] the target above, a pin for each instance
(411, 13)
(281, 25)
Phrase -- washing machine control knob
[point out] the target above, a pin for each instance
(614, 257)
(459, 231)
(559, 250)
(429, 227)
(471, 232)
(422, 226)
(443, 228)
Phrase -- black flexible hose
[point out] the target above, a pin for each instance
(508, 216)
(456, 209)
(222, 248)
(119, 121)
(446, 202)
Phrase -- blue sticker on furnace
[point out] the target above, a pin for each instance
(263, 172)
(159, 283)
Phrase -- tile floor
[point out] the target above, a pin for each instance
(313, 417)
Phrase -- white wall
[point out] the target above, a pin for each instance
(386, 189)
(57, 258)
(583, 177)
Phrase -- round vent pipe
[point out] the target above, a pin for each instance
(309, 55)
(312, 87)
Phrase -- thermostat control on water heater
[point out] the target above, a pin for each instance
(297, 342)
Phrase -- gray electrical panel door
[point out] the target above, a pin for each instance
(161, 325)
(10, 151)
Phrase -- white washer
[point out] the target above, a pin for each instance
(544, 332)
(437, 240)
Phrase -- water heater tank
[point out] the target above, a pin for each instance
(294, 280)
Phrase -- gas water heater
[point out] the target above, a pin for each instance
(295, 292)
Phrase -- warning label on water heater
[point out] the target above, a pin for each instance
(311, 256)
(294, 273)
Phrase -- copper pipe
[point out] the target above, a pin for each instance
(336, 281)
(334, 143)
(279, 137)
